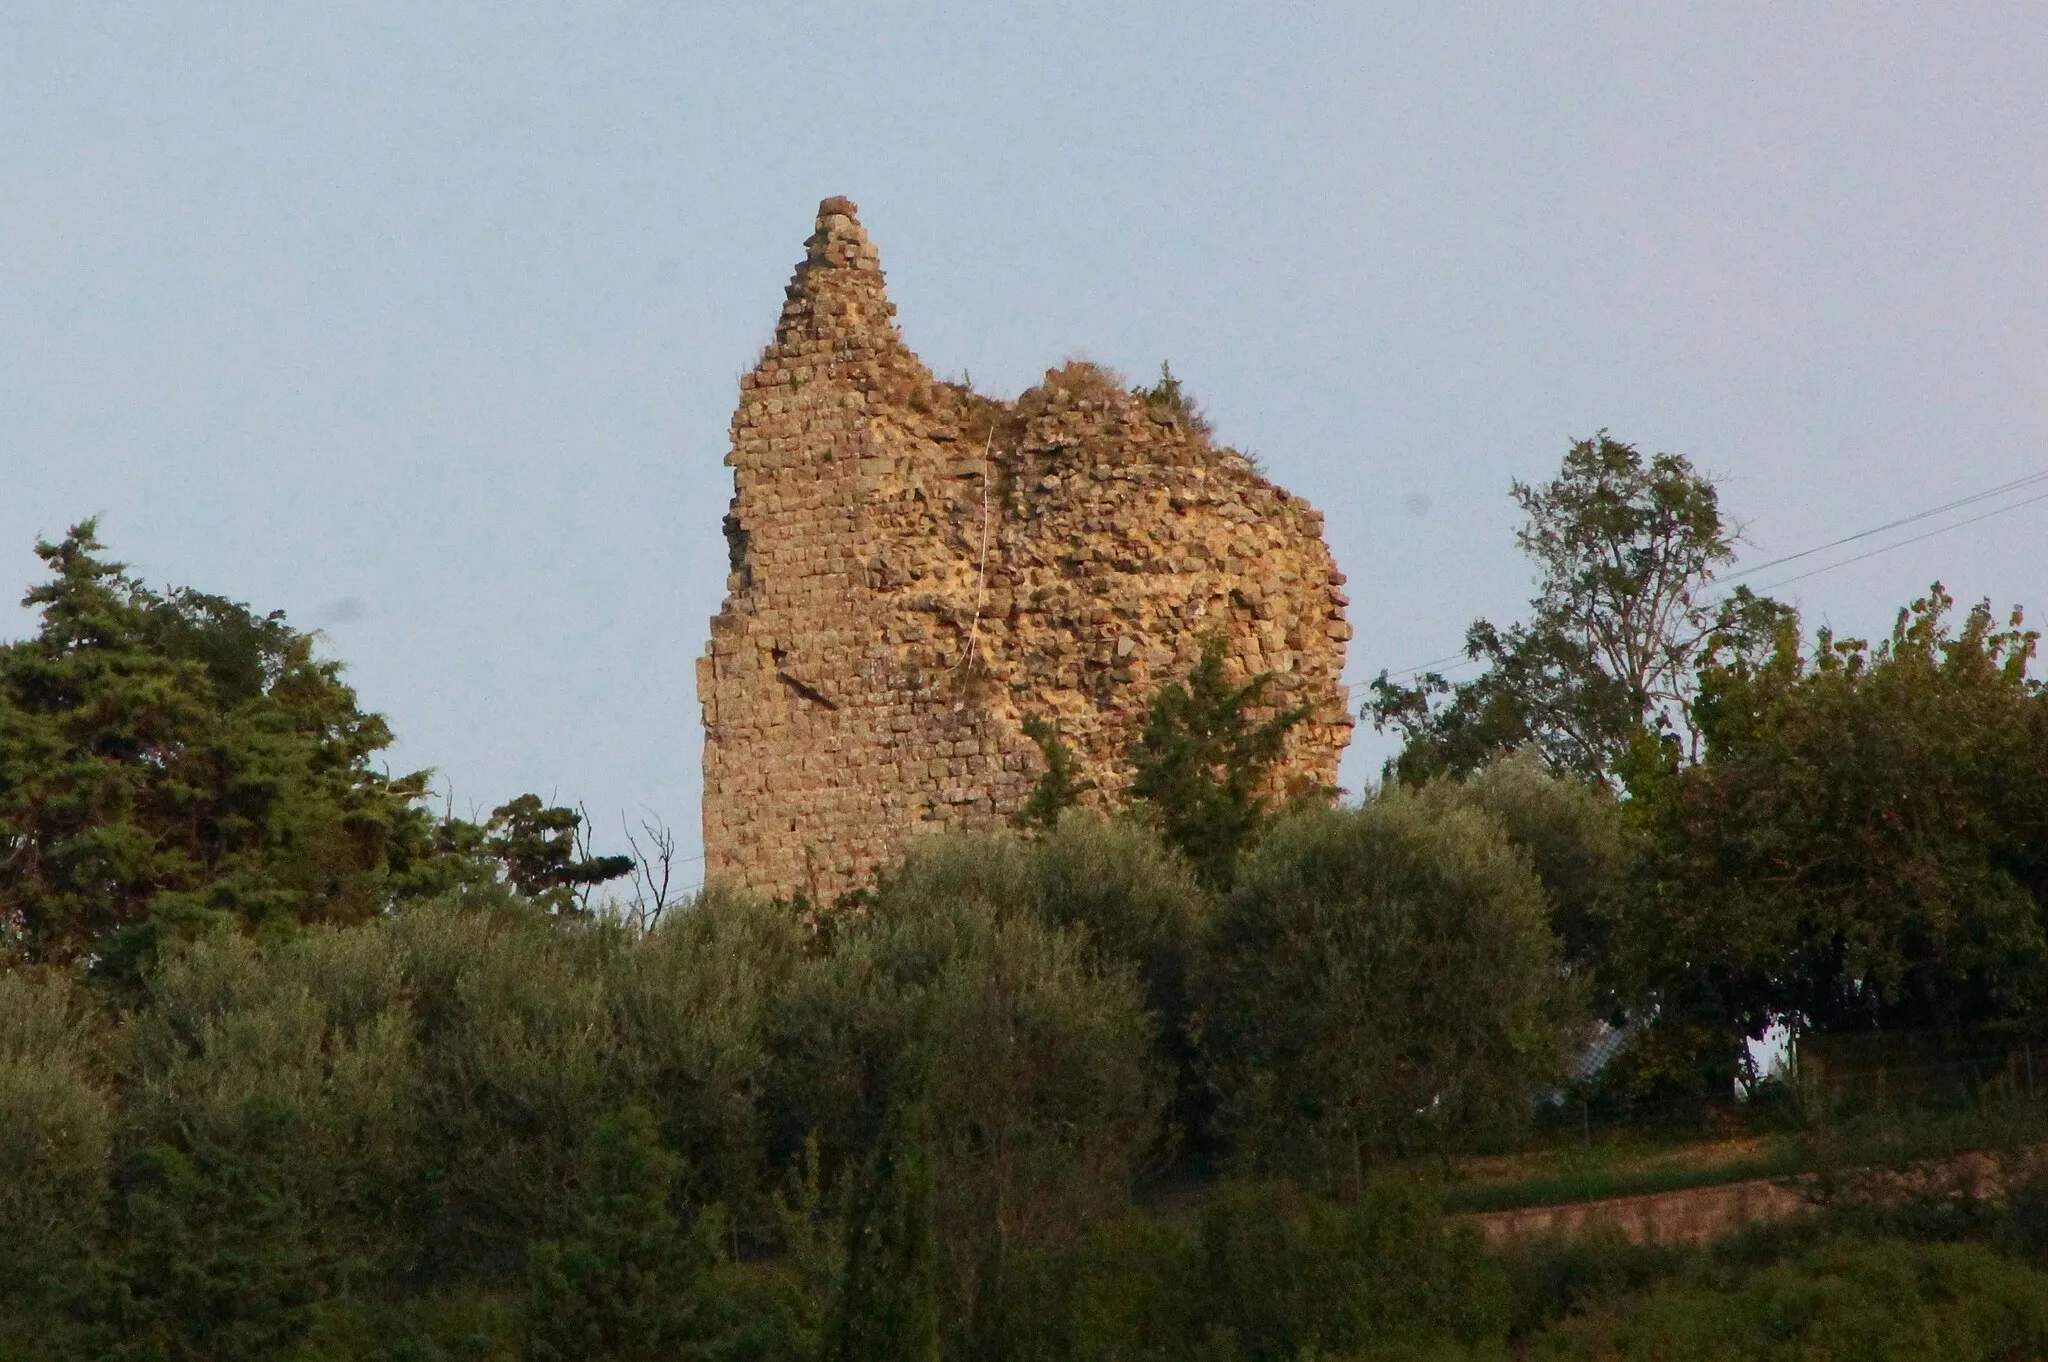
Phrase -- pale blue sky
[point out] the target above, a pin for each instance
(423, 322)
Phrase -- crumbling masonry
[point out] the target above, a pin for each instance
(917, 569)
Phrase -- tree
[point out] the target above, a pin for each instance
(178, 757)
(1381, 979)
(1204, 763)
(175, 759)
(1578, 841)
(1602, 675)
(1865, 842)
(545, 856)
(628, 1283)
(950, 1024)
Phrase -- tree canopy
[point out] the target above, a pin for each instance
(1863, 842)
(1603, 672)
(173, 758)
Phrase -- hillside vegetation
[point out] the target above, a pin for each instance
(293, 1066)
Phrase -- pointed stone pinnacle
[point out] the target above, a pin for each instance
(840, 242)
(837, 293)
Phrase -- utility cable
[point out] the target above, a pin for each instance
(1958, 503)
(1887, 548)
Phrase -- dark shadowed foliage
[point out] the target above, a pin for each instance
(1034, 1058)
(1862, 846)
(1382, 980)
(1577, 840)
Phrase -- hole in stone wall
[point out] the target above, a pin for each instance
(737, 541)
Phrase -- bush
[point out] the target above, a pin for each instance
(1042, 1100)
(626, 1284)
(1268, 1274)
(215, 1257)
(1032, 1060)
(1863, 1302)
(1290, 1278)
(56, 1124)
(1382, 980)
(691, 1008)
(1570, 830)
(298, 1055)
(1134, 904)
(1129, 1290)
(519, 1054)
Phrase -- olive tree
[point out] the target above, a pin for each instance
(1382, 979)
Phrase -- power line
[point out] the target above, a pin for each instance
(1887, 548)
(1917, 516)
(1957, 504)
(1458, 656)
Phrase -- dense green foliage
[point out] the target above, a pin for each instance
(291, 1067)
(173, 759)
(1862, 844)
(1204, 764)
(1838, 839)
(1382, 980)
(178, 756)
(1571, 832)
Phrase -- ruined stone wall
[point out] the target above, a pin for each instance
(917, 569)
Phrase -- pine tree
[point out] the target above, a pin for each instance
(1204, 764)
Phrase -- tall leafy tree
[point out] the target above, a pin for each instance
(1866, 840)
(179, 756)
(1602, 673)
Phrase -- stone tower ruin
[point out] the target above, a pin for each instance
(917, 569)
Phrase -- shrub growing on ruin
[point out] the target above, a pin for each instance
(1057, 789)
(1204, 764)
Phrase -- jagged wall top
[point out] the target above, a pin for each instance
(917, 568)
